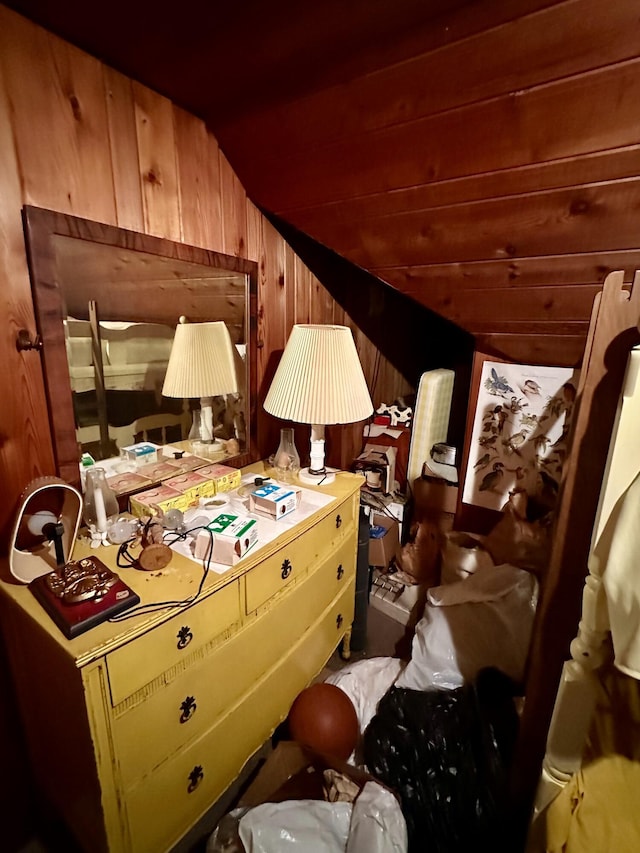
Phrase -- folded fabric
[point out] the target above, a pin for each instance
(597, 810)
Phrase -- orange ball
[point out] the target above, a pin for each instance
(323, 718)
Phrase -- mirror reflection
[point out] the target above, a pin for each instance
(118, 399)
(108, 303)
(118, 362)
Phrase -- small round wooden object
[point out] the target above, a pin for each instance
(155, 556)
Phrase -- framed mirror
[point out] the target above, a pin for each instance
(107, 303)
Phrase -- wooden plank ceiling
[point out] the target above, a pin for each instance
(481, 157)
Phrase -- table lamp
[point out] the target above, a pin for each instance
(319, 381)
(201, 364)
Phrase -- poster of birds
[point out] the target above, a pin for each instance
(520, 433)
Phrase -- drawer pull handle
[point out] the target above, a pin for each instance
(339, 621)
(287, 568)
(195, 777)
(340, 572)
(338, 521)
(184, 636)
(188, 709)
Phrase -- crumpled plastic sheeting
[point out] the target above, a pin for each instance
(374, 824)
(308, 826)
(377, 824)
(365, 682)
(445, 753)
(483, 621)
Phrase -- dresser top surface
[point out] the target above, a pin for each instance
(178, 582)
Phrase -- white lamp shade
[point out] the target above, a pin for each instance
(319, 379)
(201, 363)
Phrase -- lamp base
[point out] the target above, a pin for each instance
(322, 479)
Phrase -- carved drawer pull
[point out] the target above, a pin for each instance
(195, 777)
(287, 568)
(340, 572)
(184, 636)
(188, 709)
(339, 621)
(338, 521)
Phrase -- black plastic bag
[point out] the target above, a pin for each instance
(445, 753)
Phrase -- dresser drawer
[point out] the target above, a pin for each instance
(293, 562)
(148, 733)
(172, 643)
(168, 801)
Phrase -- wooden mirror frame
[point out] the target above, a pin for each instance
(41, 228)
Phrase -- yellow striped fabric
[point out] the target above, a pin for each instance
(430, 419)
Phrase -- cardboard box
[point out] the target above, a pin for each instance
(225, 479)
(130, 481)
(386, 548)
(156, 500)
(142, 453)
(275, 501)
(188, 462)
(233, 536)
(192, 485)
(434, 495)
(292, 772)
(159, 470)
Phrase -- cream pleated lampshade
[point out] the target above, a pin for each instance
(319, 379)
(201, 363)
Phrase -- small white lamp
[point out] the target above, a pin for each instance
(201, 364)
(319, 381)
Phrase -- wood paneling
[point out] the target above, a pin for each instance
(123, 142)
(199, 181)
(498, 60)
(503, 158)
(80, 138)
(157, 164)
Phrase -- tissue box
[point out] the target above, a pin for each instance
(276, 501)
(192, 485)
(224, 478)
(142, 453)
(157, 500)
(233, 535)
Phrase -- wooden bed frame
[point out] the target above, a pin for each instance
(613, 331)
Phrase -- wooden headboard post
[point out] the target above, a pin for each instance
(613, 332)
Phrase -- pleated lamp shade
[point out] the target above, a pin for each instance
(319, 379)
(201, 363)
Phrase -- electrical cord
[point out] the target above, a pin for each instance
(144, 609)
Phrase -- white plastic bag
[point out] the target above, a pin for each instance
(462, 555)
(485, 620)
(365, 682)
(377, 823)
(304, 826)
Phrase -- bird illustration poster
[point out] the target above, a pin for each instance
(520, 433)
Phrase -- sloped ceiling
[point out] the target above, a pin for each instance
(480, 157)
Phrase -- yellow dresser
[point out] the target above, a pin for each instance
(136, 728)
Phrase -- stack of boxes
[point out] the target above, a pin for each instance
(184, 489)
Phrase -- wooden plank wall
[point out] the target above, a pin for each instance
(77, 137)
(493, 175)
